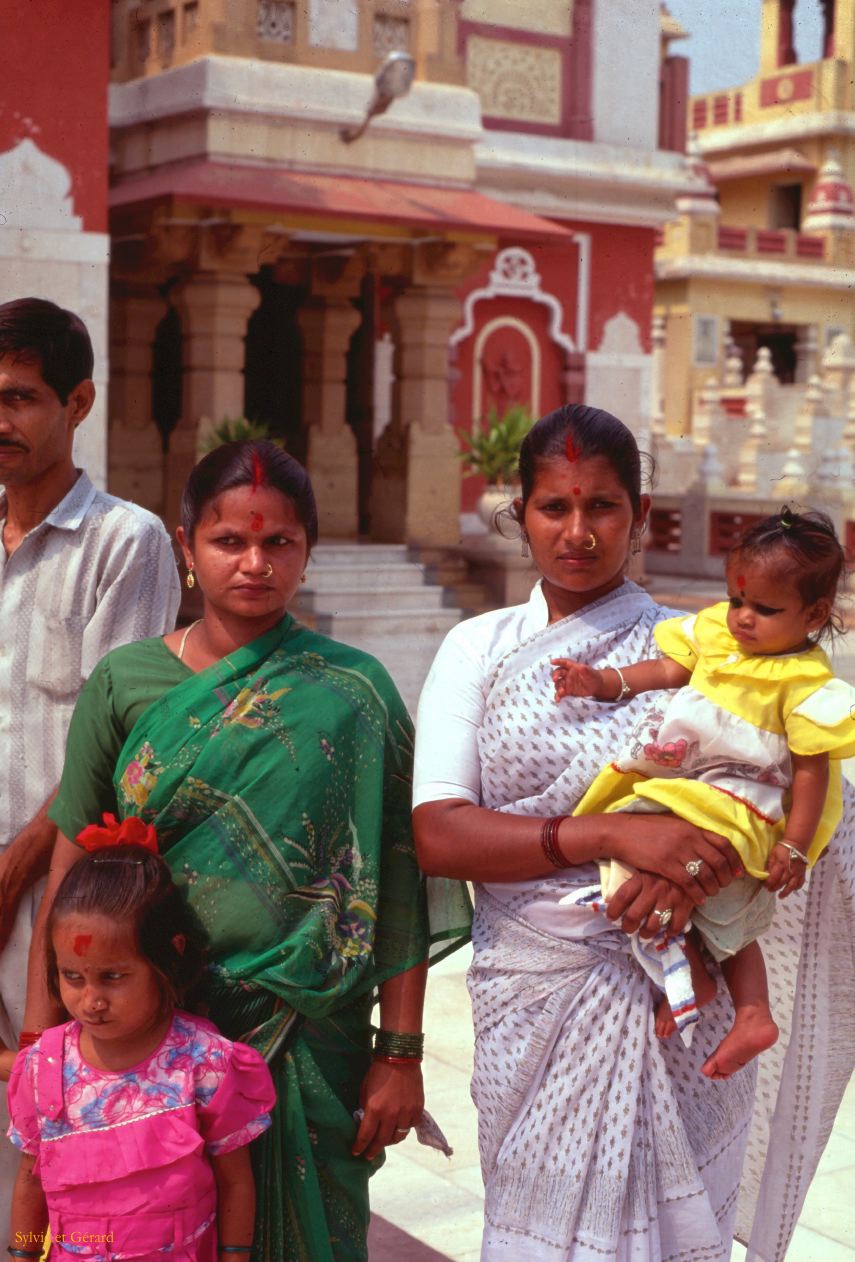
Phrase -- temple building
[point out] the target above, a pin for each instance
(54, 176)
(764, 257)
(487, 240)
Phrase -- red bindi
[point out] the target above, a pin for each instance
(571, 451)
(258, 478)
(256, 521)
(577, 490)
(740, 581)
(82, 943)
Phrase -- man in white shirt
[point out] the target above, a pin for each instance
(80, 573)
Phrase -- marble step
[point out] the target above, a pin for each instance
(363, 572)
(367, 601)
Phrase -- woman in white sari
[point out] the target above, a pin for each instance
(598, 1141)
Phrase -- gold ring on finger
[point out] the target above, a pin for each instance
(402, 1130)
(694, 866)
(664, 916)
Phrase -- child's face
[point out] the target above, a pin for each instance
(105, 983)
(767, 614)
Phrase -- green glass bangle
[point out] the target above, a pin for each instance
(392, 1043)
(235, 1248)
(23, 1253)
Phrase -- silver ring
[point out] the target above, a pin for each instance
(403, 1130)
(664, 916)
(694, 866)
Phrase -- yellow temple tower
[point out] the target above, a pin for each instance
(766, 258)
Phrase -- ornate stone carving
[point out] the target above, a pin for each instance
(275, 20)
(35, 190)
(515, 275)
(519, 81)
(390, 34)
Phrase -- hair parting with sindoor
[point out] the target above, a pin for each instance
(255, 463)
(129, 885)
(587, 432)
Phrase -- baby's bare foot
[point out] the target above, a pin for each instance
(753, 1032)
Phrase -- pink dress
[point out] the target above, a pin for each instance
(123, 1157)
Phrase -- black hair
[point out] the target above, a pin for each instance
(35, 330)
(805, 546)
(131, 885)
(257, 463)
(587, 432)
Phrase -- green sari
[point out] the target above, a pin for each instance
(279, 784)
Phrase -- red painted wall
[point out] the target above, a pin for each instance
(54, 71)
(622, 277)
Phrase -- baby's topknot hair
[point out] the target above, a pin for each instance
(807, 547)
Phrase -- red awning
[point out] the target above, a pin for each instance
(328, 197)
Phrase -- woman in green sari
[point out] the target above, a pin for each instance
(275, 765)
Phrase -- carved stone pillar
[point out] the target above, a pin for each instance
(214, 310)
(327, 325)
(416, 484)
(135, 451)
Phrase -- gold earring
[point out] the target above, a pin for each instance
(635, 542)
(190, 580)
(589, 547)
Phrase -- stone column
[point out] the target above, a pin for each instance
(415, 496)
(214, 310)
(807, 353)
(327, 325)
(135, 447)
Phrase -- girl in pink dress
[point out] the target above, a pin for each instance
(133, 1119)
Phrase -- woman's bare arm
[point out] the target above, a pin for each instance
(456, 839)
(41, 1011)
(392, 1096)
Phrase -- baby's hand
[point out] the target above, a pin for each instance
(574, 679)
(786, 872)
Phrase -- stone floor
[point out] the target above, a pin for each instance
(427, 1208)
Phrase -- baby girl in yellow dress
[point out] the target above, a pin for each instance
(743, 750)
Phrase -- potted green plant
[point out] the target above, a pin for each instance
(493, 452)
(234, 429)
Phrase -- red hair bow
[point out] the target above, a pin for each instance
(131, 832)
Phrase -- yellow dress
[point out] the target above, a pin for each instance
(717, 753)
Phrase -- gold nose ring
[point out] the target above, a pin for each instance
(268, 572)
(590, 543)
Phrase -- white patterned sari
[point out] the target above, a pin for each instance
(598, 1140)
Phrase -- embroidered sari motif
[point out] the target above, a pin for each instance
(279, 784)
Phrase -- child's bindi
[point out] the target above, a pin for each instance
(571, 451)
(256, 522)
(740, 583)
(577, 490)
(82, 943)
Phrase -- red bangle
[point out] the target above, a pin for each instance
(549, 841)
(26, 1038)
(399, 1060)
